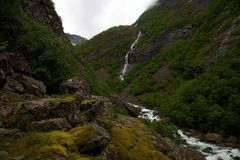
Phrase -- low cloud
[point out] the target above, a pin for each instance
(90, 17)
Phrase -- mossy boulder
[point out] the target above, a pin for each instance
(91, 138)
(54, 152)
(122, 107)
(131, 139)
(38, 145)
(43, 112)
(87, 104)
(96, 108)
(22, 114)
(19, 83)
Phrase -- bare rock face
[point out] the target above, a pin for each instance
(23, 84)
(44, 11)
(15, 76)
(74, 85)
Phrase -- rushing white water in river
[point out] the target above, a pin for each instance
(124, 70)
(216, 152)
(146, 113)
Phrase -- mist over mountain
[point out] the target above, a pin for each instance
(88, 18)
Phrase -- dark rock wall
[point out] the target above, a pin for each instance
(44, 11)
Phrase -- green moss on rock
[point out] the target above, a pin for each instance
(62, 99)
(133, 141)
(83, 134)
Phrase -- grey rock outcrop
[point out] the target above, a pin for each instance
(74, 85)
(23, 84)
(15, 76)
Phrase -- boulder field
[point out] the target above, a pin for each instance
(81, 127)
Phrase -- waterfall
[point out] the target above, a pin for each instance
(125, 67)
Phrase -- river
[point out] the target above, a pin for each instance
(216, 153)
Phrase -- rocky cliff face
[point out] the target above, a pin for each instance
(44, 11)
(16, 76)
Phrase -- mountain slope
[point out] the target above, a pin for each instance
(75, 39)
(106, 52)
(33, 29)
(186, 63)
(74, 124)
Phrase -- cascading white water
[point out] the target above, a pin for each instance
(124, 70)
(216, 153)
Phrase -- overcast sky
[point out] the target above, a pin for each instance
(90, 17)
